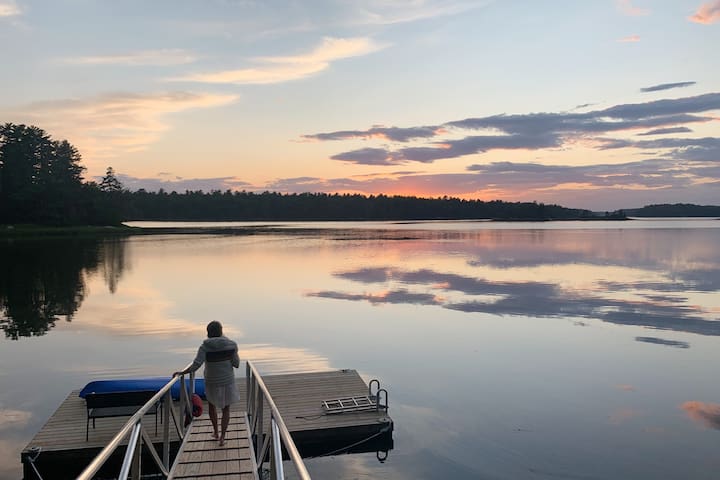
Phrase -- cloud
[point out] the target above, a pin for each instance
(275, 360)
(394, 134)
(665, 131)
(9, 9)
(531, 131)
(109, 125)
(705, 149)
(383, 297)
(10, 419)
(602, 186)
(677, 106)
(368, 156)
(181, 184)
(660, 341)
(630, 39)
(667, 86)
(287, 68)
(707, 414)
(393, 12)
(477, 144)
(707, 13)
(142, 58)
(627, 8)
(367, 275)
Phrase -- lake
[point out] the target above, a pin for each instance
(570, 350)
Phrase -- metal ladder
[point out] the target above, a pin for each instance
(371, 401)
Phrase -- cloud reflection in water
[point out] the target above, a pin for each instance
(707, 414)
(661, 341)
(609, 302)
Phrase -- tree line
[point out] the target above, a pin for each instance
(41, 183)
(249, 206)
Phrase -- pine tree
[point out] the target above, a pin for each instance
(110, 183)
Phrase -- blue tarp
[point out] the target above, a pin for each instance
(135, 384)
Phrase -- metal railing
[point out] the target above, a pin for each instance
(131, 466)
(269, 445)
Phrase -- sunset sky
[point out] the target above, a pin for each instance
(600, 104)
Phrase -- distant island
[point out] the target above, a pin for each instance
(41, 184)
(674, 210)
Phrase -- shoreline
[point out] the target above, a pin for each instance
(46, 231)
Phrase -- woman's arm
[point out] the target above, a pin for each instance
(199, 360)
(236, 359)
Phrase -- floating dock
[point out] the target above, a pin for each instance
(59, 449)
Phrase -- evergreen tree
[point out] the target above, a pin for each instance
(110, 183)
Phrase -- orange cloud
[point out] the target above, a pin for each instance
(707, 13)
(109, 125)
(707, 414)
(286, 68)
(630, 39)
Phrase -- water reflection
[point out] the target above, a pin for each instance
(529, 298)
(453, 322)
(707, 414)
(661, 279)
(43, 281)
(662, 341)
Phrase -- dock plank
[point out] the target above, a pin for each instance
(201, 456)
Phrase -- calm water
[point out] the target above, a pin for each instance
(510, 351)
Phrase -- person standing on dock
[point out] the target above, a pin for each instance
(220, 356)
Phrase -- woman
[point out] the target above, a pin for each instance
(220, 355)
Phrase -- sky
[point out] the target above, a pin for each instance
(599, 104)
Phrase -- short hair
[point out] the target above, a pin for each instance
(214, 329)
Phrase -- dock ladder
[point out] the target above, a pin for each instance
(371, 401)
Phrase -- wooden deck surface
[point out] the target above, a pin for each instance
(201, 456)
(299, 398)
(65, 430)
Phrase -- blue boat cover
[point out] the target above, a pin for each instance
(135, 384)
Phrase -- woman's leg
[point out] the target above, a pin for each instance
(225, 422)
(212, 411)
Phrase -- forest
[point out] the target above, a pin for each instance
(41, 183)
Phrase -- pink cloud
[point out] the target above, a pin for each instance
(707, 13)
(707, 414)
(627, 8)
(631, 38)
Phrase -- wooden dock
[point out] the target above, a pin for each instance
(201, 458)
(299, 398)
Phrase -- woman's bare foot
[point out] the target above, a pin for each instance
(221, 441)
(215, 436)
